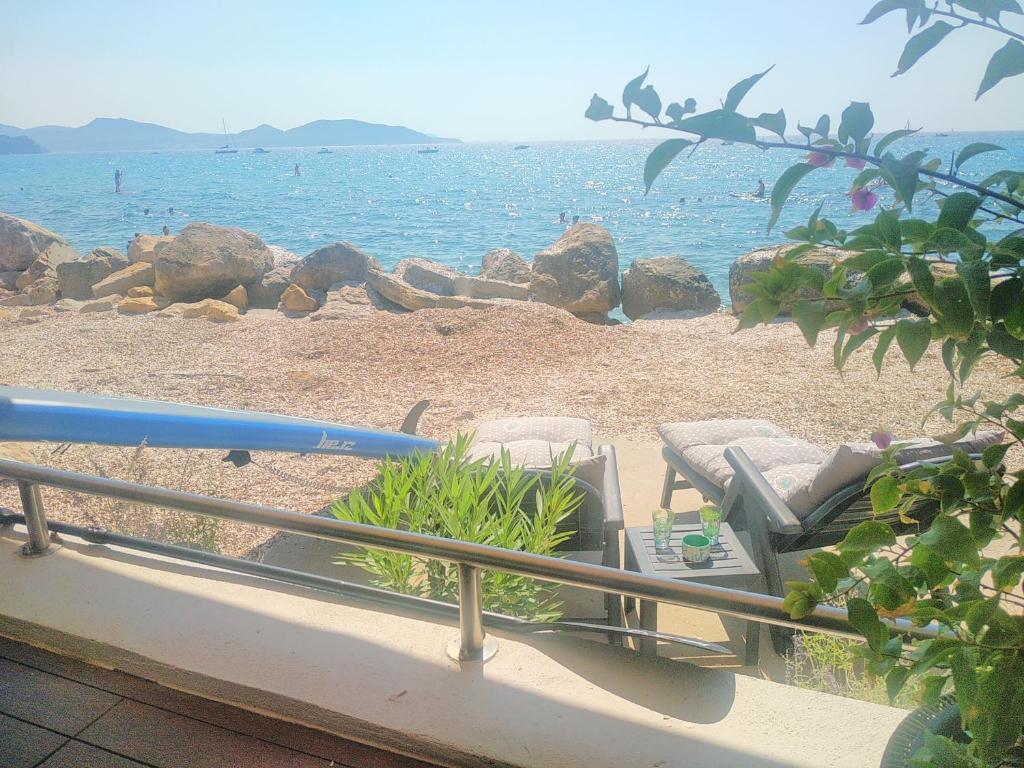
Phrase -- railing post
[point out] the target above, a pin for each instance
(35, 520)
(472, 643)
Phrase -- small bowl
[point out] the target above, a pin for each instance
(696, 548)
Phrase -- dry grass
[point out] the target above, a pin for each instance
(516, 360)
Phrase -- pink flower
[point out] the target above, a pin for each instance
(863, 199)
(860, 326)
(820, 159)
(882, 439)
(856, 162)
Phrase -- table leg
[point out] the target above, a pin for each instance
(751, 651)
(648, 617)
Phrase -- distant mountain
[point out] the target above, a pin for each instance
(105, 134)
(18, 145)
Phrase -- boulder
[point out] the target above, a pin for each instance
(294, 299)
(345, 302)
(442, 280)
(266, 294)
(394, 288)
(45, 265)
(106, 304)
(122, 281)
(206, 261)
(238, 298)
(45, 290)
(761, 260)
(141, 291)
(666, 283)
(144, 247)
(331, 264)
(35, 314)
(79, 276)
(506, 265)
(9, 279)
(17, 300)
(22, 242)
(139, 305)
(68, 305)
(213, 310)
(579, 273)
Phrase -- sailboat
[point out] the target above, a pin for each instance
(227, 149)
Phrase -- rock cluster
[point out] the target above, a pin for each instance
(668, 283)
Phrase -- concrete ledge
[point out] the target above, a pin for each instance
(384, 678)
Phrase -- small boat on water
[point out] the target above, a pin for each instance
(260, 151)
(324, 151)
(521, 146)
(427, 151)
(227, 149)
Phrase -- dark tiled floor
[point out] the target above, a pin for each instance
(56, 712)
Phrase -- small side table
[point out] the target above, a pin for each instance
(729, 566)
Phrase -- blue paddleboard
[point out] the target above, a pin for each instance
(67, 417)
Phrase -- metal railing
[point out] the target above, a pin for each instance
(472, 643)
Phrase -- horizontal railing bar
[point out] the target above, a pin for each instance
(363, 592)
(744, 605)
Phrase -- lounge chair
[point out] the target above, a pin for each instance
(531, 443)
(788, 494)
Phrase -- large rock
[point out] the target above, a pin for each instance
(106, 304)
(295, 299)
(825, 258)
(207, 261)
(22, 242)
(332, 264)
(213, 310)
(666, 283)
(238, 298)
(45, 265)
(79, 276)
(140, 305)
(506, 265)
(579, 273)
(123, 280)
(266, 293)
(144, 247)
(396, 289)
(9, 279)
(345, 302)
(45, 290)
(444, 281)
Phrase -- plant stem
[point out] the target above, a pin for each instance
(964, 21)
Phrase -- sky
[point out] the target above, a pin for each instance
(480, 72)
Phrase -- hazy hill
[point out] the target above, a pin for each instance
(18, 145)
(106, 134)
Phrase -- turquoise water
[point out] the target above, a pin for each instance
(451, 206)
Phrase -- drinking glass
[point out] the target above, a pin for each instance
(711, 522)
(662, 519)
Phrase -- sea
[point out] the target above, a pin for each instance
(453, 205)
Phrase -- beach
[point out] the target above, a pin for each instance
(513, 360)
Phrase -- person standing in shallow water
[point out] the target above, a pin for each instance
(297, 171)
(167, 230)
(117, 181)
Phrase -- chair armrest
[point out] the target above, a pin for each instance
(610, 492)
(757, 493)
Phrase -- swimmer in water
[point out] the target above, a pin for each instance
(297, 171)
(167, 230)
(118, 176)
(170, 210)
(575, 220)
(145, 211)
(561, 218)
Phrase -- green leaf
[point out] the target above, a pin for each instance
(1007, 572)
(884, 342)
(990, 9)
(978, 282)
(885, 494)
(810, 318)
(889, 138)
(913, 338)
(883, 7)
(902, 175)
(719, 124)
(884, 273)
(953, 304)
(916, 230)
(922, 277)
(677, 111)
(857, 120)
(599, 109)
(920, 44)
(1000, 702)
(660, 157)
(649, 101)
(895, 680)
(822, 126)
(972, 150)
(738, 91)
(867, 537)
(828, 568)
(1008, 61)
(957, 210)
(632, 89)
(774, 122)
(865, 620)
(855, 343)
(784, 186)
(941, 752)
(951, 540)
